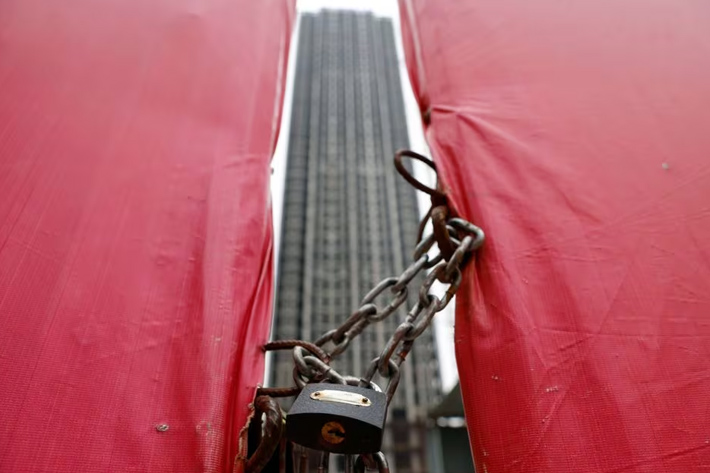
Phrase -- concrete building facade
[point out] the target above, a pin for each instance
(349, 220)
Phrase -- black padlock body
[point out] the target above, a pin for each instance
(363, 425)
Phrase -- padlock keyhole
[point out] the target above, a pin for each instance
(333, 432)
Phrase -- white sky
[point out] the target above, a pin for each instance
(444, 321)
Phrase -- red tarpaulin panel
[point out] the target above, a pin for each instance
(576, 134)
(135, 229)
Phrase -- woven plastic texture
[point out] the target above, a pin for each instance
(135, 229)
(576, 135)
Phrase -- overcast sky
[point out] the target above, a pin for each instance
(444, 321)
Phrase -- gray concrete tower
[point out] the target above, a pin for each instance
(349, 220)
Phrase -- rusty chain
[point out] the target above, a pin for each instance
(270, 438)
(456, 240)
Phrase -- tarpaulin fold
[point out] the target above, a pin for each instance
(575, 134)
(135, 229)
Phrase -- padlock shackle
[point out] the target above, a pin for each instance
(394, 376)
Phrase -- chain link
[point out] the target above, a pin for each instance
(419, 317)
(456, 240)
(376, 461)
(271, 436)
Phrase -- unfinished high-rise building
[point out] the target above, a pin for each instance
(349, 220)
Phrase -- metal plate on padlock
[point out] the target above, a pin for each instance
(338, 418)
(346, 397)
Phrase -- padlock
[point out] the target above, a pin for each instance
(338, 418)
